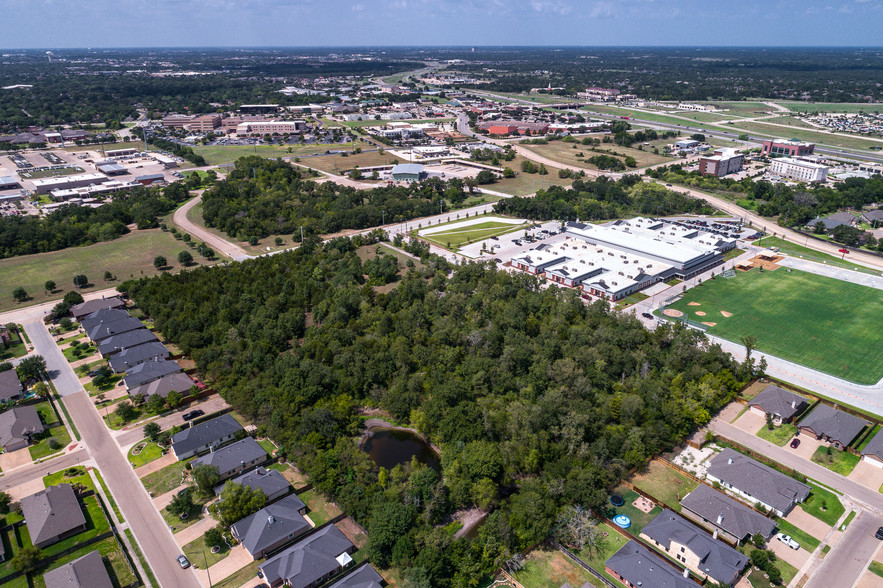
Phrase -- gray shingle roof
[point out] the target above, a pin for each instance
(133, 356)
(10, 385)
(777, 401)
(717, 559)
(364, 577)
(228, 458)
(149, 371)
(272, 525)
(103, 315)
(735, 518)
(84, 572)
(17, 424)
(832, 423)
(271, 482)
(52, 512)
(205, 433)
(875, 446)
(125, 340)
(90, 306)
(308, 560)
(762, 482)
(104, 330)
(179, 382)
(640, 566)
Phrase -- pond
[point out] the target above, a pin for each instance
(390, 447)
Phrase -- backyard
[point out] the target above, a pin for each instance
(546, 567)
(639, 518)
(665, 484)
(319, 509)
(611, 543)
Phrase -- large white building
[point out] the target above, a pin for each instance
(802, 171)
(274, 127)
(616, 260)
(46, 185)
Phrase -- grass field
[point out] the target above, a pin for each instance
(458, 236)
(665, 484)
(611, 543)
(320, 510)
(778, 436)
(805, 135)
(149, 452)
(790, 121)
(524, 183)
(335, 163)
(549, 568)
(218, 154)
(802, 252)
(164, 480)
(816, 321)
(130, 256)
(837, 461)
(565, 153)
(639, 518)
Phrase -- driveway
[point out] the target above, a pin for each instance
(867, 475)
(807, 448)
(15, 459)
(135, 433)
(846, 562)
(801, 519)
(163, 500)
(26, 489)
(795, 557)
(156, 465)
(238, 559)
(195, 531)
(750, 422)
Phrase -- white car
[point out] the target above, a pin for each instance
(787, 540)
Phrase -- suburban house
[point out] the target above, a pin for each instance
(132, 356)
(835, 220)
(694, 548)
(84, 572)
(178, 382)
(10, 386)
(53, 514)
(18, 426)
(783, 405)
(363, 577)
(272, 483)
(86, 308)
(731, 517)
(106, 330)
(146, 372)
(201, 437)
(750, 479)
(234, 458)
(271, 527)
(125, 340)
(873, 217)
(873, 451)
(634, 565)
(832, 426)
(311, 561)
(104, 315)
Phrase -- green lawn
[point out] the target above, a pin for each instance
(848, 520)
(164, 480)
(631, 299)
(483, 231)
(113, 504)
(838, 461)
(806, 540)
(778, 436)
(122, 575)
(611, 543)
(42, 448)
(524, 183)
(320, 510)
(16, 347)
(665, 484)
(823, 504)
(639, 518)
(549, 568)
(243, 575)
(200, 554)
(130, 256)
(795, 250)
(218, 154)
(81, 476)
(876, 568)
(816, 321)
(757, 580)
(268, 446)
(176, 523)
(149, 451)
(733, 253)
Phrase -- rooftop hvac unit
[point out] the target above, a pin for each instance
(582, 260)
(620, 273)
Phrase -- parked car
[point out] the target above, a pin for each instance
(189, 416)
(879, 533)
(795, 443)
(787, 540)
(646, 315)
(183, 562)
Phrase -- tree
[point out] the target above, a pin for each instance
(818, 228)
(508, 172)
(214, 537)
(389, 521)
(155, 403)
(206, 477)
(5, 499)
(698, 137)
(174, 398)
(81, 281)
(41, 390)
(49, 286)
(238, 501)
(20, 294)
(108, 276)
(32, 367)
(152, 431)
(185, 258)
(27, 559)
(160, 262)
(125, 411)
(182, 503)
(72, 298)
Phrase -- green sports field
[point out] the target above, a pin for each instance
(826, 324)
(457, 236)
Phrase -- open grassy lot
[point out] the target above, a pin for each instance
(796, 250)
(835, 460)
(130, 256)
(147, 452)
(806, 540)
(335, 163)
(458, 236)
(790, 121)
(823, 504)
(164, 480)
(546, 567)
(665, 484)
(846, 107)
(816, 321)
(218, 154)
(320, 510)
(611, 543)
(805, 135)
(524, 183)
(565, 153)
(779, 435)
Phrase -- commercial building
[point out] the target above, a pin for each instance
(732, 518)
(510, 127)
(202, 437)
(125, 151)
(275, 127)
(722, 163)
(9, 183)
(832, 426)
(408, 172)
(150, 179)
(760, 484)
(176, 121)
(84, 572)
(205, 123)
(696, 107)
(110, 168)
(166, 161)
(694, 548)
(53, 514)
(686, 144)
(595, 93)
(89, 192)
(259, 108)
(787, 147)
(802, 171)
(634, 565)
(46, 185)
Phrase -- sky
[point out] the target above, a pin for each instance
(236, 23)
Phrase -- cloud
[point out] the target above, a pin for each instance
(602, 10)
(358, 7)
(553, 7)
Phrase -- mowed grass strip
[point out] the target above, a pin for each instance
(130, 256)
(819, 322)
(471, 233)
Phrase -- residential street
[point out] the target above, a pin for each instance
(222, 246)
(132, 435)
(38, 470)
(847, 561)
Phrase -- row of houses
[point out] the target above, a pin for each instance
(130, 348)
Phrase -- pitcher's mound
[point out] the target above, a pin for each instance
(672, 312)
(726, 314)
(708, 324)
(693, 304)
(700, 313)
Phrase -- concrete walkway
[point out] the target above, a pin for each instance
(195, 531)
(156, 465)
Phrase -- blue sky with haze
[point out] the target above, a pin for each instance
(138, 23)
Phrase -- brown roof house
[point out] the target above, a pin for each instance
(53, 514)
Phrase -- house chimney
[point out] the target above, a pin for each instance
(730, 460)
(720, 518)
(793, 404)
(714, 536)
(686, 573)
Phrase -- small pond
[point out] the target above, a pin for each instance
(390, 447)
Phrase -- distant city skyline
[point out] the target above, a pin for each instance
(339, 23)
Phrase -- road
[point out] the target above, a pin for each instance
(222, 246)
(26, 474)
(846, 562)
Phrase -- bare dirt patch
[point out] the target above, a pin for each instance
(700, 313)
(672, 312)
(352, 531)
(693, 304)
(726, 314)
(708, 324)
(643, 504)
